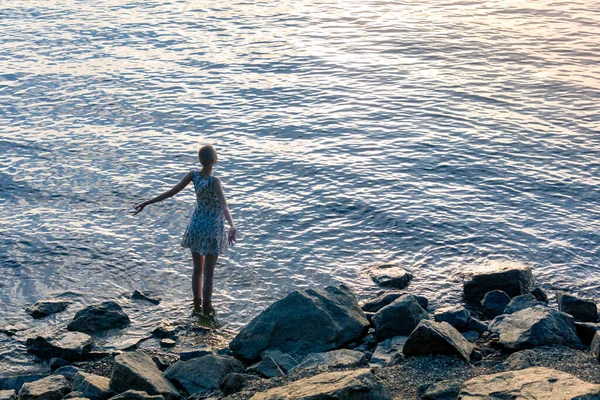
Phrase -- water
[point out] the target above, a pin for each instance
(435, 134)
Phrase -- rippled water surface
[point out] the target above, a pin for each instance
(435, 134)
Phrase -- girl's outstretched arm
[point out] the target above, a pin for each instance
(221, 196)
(170, 193)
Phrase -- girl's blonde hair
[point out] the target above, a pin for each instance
(207, 154)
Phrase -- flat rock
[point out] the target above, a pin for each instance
(197, 352)
(267, 368)
(536, 383)
(457, 316)
(522, 302)
(399, 318)
(8, 395)
(586, 331)
(285, 361)
(494, 303)
(595, 346)
(99, 317)
(204, 374)
(359, 384)
(137, 371)
(235, 382)
(583, 310)
(387, 297)
(512, 278)
(442, 390)
(139, 295)
(70, 346)
(388, 352)
(137, 395)
(342, 358)
(437, 338)
(303, 322)
(43, 308)
(167, 343)
(536, 326)
(391, 276)
(53, 387)
(93, 387)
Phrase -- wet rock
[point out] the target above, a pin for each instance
(388, 352)
(68, 371)
(8, 395)
(100, 317)
(137, 395)
(303, 322)
(168, 343)
(519, 360)
(43, 308)
(162, 362)
(137, 371)
(349, 385)
(581, 309)
(391, 276)
(71, 346)
(165, 331)
(494, 303)
(267, 368)
(457, 316)
(342, 358)
(442, 390)
(540, 295)
(93, 387)
(476, 325)
(53, 387)
(399, 318)
(235, 382)
(204, 374)
(200, 351)
(522, 302)
(437, 338)
(536, 326)
(138, 295)
(595, 346)
(388, 297)
(586, 331)
(535, 383)
(285, 361)
(513, 279)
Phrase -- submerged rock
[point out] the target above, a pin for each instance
(342, 358)
(437, 338)
(303, 322)
(235, 382)
(457, 316)
(43, 308)
(391, 276)
(522, 302)
(92, 386)
(267, 368)
(398, 318)
(100, 317)
(204, 374)
(388, 352)
(581, 309)
(138, 295)
(53, 387)
(513, 279)
(71, 346)
(494, 303)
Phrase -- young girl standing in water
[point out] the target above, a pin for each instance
(205, 235)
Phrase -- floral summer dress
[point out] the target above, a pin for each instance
(205, 233)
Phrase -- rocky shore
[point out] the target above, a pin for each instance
(506, 341)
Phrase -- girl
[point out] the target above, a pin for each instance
(205, 234)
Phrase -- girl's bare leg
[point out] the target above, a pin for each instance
(197, 278)
(209, 272)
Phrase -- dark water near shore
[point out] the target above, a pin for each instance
(438, 135)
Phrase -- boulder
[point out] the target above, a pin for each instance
(358, 384)
(53, 387)
(536, 326)
(200, 351)
(471, 336)
(139, 295)
(8, 395)
(92, 386)
(494, 303)
(165, 331)
(437, 338)
(388, 352)
(476, 325)
(586, 331)
(595, 346)
(71, 346)
(43, 308)
(74, 395)
(442, 390)
(99, 317)
(583, 310)
(540, 295)
(387, 297)
(137, 395)
(137, 371)
(267, 368)
(68, 371)
(235, 382)
(457, 316)
(520, 360)
(391, 276)
(55, 363)
(303, 322)
(400, 317)
(342, 358)
(204, 374)
(536, 383)
(513, 279)
(522, 302)
(285, 361)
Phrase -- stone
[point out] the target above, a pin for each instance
(358, 384)
(267, 368)
(285, 361)
(476, 325)
(15, 382)
(8, 395)
(68, 371)
(93, 387)
(400, 317)
(522, 302)
(442, 390)
(519, 360)
(471, 336)
(494, 303)
(512, 278)
(200, 351)
(437, 338)
(342, 358)
(165, 331)
(99, 317)
(53, 387)
(43, 308)
(457, 316)
(167, 343)
(137, 395)
(540, 295)
(387, 297)
(536, 383)
(595, 346)
(138, 295)
(137, 371)
(71, 346)
(204, 374)
(303, 322)
(56, 363)
(586, 331)
(536, 326)
(391, 276)
(388, 352)
(162, 362)
(583, 310)
(235, 382)
(73, 395)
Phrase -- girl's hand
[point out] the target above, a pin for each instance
(138, 208)
(231, 239)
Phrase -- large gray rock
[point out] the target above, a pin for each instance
(70, 346)
(536, 383)
(15, 382)
(285, 361)
(388, 352)
(584, 310)
(99, 317)
(522, 302)
(303, 322)
(342, 358)
(442, 390)
(204, 374)
(389, 275)
(235, 382)
(520, 360)
(53, 387)
(513, 279)
(267, 367)
(137, 395)
(8, 394)
(586, 331)
(137, 371)
(93, 387)
(457, 316)
(197, 352)
(536, 326)
(494, 303)
(595, 346)
(383, 299)
(399, 318)
(43, 308)
(437, 338)
(68, 371)
(345, 385)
